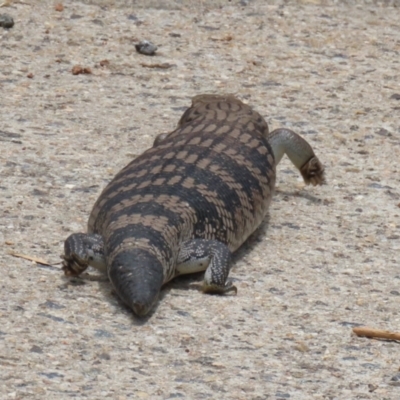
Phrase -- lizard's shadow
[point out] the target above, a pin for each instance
(286, 195)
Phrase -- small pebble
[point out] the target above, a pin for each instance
(395, 381)
(36, 349)
(59, 7)
(396, 378)
(6, 21)
(145, 47)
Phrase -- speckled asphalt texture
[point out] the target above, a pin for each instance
(325, 261)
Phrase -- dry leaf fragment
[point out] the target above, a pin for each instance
(8, 3)
(226, 38)
(78, 69)
(162, 66)
(104, 63)
(302, 347)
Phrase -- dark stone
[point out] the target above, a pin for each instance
(145, 47)
(183, 313)
(351, 324)
(52, 304)
(276, 291)
(270, 83)
(36, 349)
(103, 333)
(37, 192)
(209, 28)
(281, 395)
(105, 356)
(371, 366)
(4, 134)
(54, 318)
(175, 395)
(378, 186)
(98, 22)
(6, 21)
(384, 132)
(291, 225)
(51, 375)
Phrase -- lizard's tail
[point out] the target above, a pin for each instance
(284, 141)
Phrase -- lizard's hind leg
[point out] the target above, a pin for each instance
(285, 141)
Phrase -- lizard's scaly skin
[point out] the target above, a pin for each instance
(189, 201)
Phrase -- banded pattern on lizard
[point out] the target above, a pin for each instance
(188, 202)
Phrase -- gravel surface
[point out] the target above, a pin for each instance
(78, 102)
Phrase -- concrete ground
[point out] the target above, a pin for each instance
(326, 260)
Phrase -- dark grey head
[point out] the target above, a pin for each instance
(137, 277)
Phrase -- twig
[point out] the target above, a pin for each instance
(376, 333)
(7, 3)
(30, 258)
(162, 66)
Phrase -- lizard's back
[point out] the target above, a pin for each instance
(211, 178)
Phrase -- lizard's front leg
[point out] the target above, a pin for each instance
(82, 250)
(211, 255)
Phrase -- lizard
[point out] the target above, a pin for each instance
(188, 202)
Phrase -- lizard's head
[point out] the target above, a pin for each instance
(137, 277)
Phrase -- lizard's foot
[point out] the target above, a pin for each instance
(215, 289)
(72, 265)
(82, 250)
(313, 172)
(210, 255)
